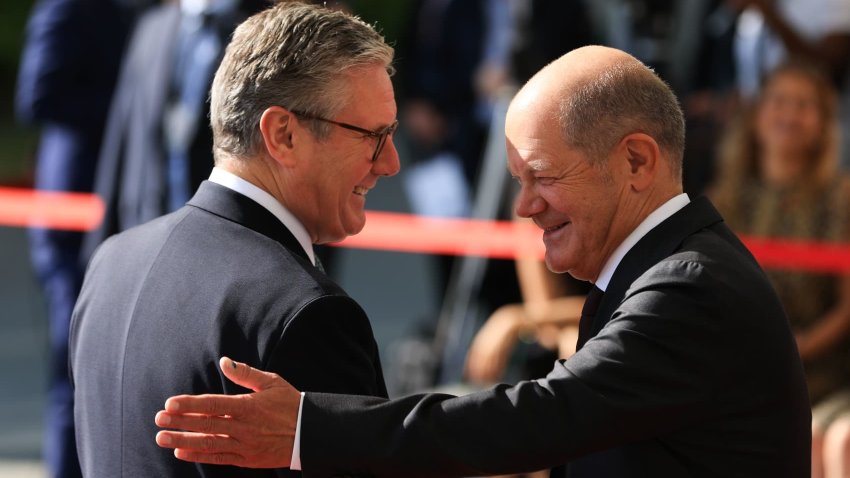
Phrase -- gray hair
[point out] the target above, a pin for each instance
(624, 99)
(293, 55)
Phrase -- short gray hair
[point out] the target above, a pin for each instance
(293, 55)
(624, 99)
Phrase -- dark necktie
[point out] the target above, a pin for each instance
(319, 265)
(588, 312)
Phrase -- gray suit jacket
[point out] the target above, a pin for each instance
(692, 372)
(163, 301)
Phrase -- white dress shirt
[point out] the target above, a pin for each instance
(243, 187)
(655, 218)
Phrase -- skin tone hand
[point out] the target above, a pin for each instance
(490, 350)
(254, 430)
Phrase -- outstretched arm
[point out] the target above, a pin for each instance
(830, 51)
(254, 430)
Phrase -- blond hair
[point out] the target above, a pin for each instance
(739, 151)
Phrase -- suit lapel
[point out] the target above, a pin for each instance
(657, 244)
(229, 204)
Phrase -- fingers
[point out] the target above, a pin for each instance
(224, 450)
(248, 376)
(201, 448)
(201, 423)
(197, 442)
(211, 458)
(232, 405)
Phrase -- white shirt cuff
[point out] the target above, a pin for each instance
(295, 464)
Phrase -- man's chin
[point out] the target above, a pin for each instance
(554, 265)
(355, 227)
(561, 266)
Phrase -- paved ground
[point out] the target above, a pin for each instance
(23, 347)
(395, 289)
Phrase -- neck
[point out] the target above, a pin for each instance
(782, 169)
(655, 198)
(634, 211)
(256, 171)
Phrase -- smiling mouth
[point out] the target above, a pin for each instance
(361, 191)
(555, 228)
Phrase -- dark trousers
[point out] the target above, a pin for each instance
(55, 259)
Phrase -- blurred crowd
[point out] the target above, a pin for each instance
(118, 89)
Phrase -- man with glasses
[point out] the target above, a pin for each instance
(303, 114)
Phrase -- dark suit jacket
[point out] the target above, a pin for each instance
(162, 302)
(693, 372)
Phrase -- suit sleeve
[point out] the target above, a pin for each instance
(641, 376)
(328, 346)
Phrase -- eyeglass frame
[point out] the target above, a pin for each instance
(381, 135)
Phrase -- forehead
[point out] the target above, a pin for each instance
(371, 94)
(534, 142)
(792, 83)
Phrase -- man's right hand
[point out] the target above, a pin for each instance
(255, 430)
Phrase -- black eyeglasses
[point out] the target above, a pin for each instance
(381, 135)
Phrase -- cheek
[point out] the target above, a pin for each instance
(762, 124)
(813, 125)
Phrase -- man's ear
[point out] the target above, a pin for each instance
(643, 157)
(278, 125)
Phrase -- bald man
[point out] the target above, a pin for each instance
(686, 365)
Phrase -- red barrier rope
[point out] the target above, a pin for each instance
(51, 210)
(459, 237)
(408, 233)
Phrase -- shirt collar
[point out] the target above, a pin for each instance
(245, 188)
(655, 218)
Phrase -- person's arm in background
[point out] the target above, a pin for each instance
(543, 315)
(832, 51)
(831, 330)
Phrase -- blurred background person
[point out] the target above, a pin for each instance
(157, 147)
(769, 31)
(439, 50)
(778, 178)
(69, 66)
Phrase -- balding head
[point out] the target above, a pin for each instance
(596, 141)
(598, 95)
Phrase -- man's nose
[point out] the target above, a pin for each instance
(528, 204)
(387, 163)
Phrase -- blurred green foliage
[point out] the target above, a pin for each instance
(17, 143)
(389, 16)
